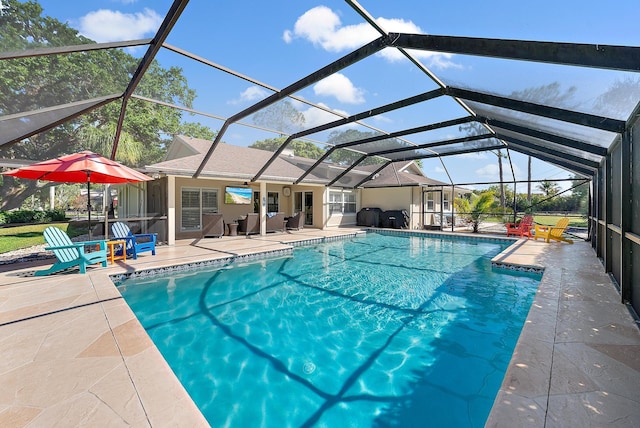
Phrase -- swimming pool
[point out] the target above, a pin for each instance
(376, 331)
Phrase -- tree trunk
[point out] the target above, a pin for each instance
(529, 182)
(14, 195)
(502, 201)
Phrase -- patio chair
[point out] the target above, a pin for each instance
(136, 244)
(70, 254)
(296, 221)
(553, 232)
(212, 225)
(522, 228)
(437, 221)
(275, 222)
(250, 224)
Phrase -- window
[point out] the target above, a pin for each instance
(194, 203)
(349, 202)
(445, 201)
(342, 202)
(272, 202)
(430, 204)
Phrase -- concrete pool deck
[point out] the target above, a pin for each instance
(73, 353)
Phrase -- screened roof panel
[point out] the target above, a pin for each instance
(567, 23)
(61, 79)
(558, 159)
(570, 130)
(15, 126)
(549, 146)
(608, 93)
(437, 110)
(440, 136)
(216, 91)
(489, 144)
(239, 36)
(240, 58)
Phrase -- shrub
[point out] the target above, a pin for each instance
(30, 216)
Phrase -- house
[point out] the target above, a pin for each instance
(173, 203)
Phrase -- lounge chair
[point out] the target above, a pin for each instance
(437, 221)
(522, 228)
(212, 225)
(296, 221)
(136, 244)
(70, 254)
(250, 224)
(553, 232)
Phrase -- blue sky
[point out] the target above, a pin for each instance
(278, 42)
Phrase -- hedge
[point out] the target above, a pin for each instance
(30, 216)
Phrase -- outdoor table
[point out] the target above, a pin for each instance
(111, 249)
(233, 229)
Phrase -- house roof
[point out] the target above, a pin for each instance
(186, 153)
(229, 162)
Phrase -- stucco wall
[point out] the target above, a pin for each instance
(232, 212)
(396, 198)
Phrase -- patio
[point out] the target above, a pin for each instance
(74, 353)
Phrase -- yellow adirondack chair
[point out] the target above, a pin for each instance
(553, 232)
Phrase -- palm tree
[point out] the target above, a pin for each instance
(529, 183)
(476, 208)
(549, 188)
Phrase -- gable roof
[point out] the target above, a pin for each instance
(229, 161)
(235, 162)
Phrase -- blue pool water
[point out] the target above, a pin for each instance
(379, 331)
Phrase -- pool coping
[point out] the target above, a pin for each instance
(29, 306)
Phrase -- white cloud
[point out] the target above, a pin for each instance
(439, 170)
(315, 116)
(111, 25)
(322, 27)
(287, 36)
(382, 119)
(474, 155)
(339, 86)
(251, 94)
(490, 172)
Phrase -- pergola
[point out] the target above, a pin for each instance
(595, 143)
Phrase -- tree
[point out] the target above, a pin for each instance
(197, 130)
(282, 117)
(34, 83)
(476, 208)
(348, 157)
(529, 181)
(300, 148)
(549, 188)
(501, 171)
(551, 94)
(580, 194)
(620, 99)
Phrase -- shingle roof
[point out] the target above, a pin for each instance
(395, 175)
(227, 161)
(243, 163)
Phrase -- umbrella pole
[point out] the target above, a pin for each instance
(89, 201)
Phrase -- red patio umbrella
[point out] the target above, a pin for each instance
(80, 167)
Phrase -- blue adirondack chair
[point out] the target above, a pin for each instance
(70, 254)
(136, 244)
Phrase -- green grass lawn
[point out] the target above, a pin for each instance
(547, 220)
(18, 237)
(551, 220)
